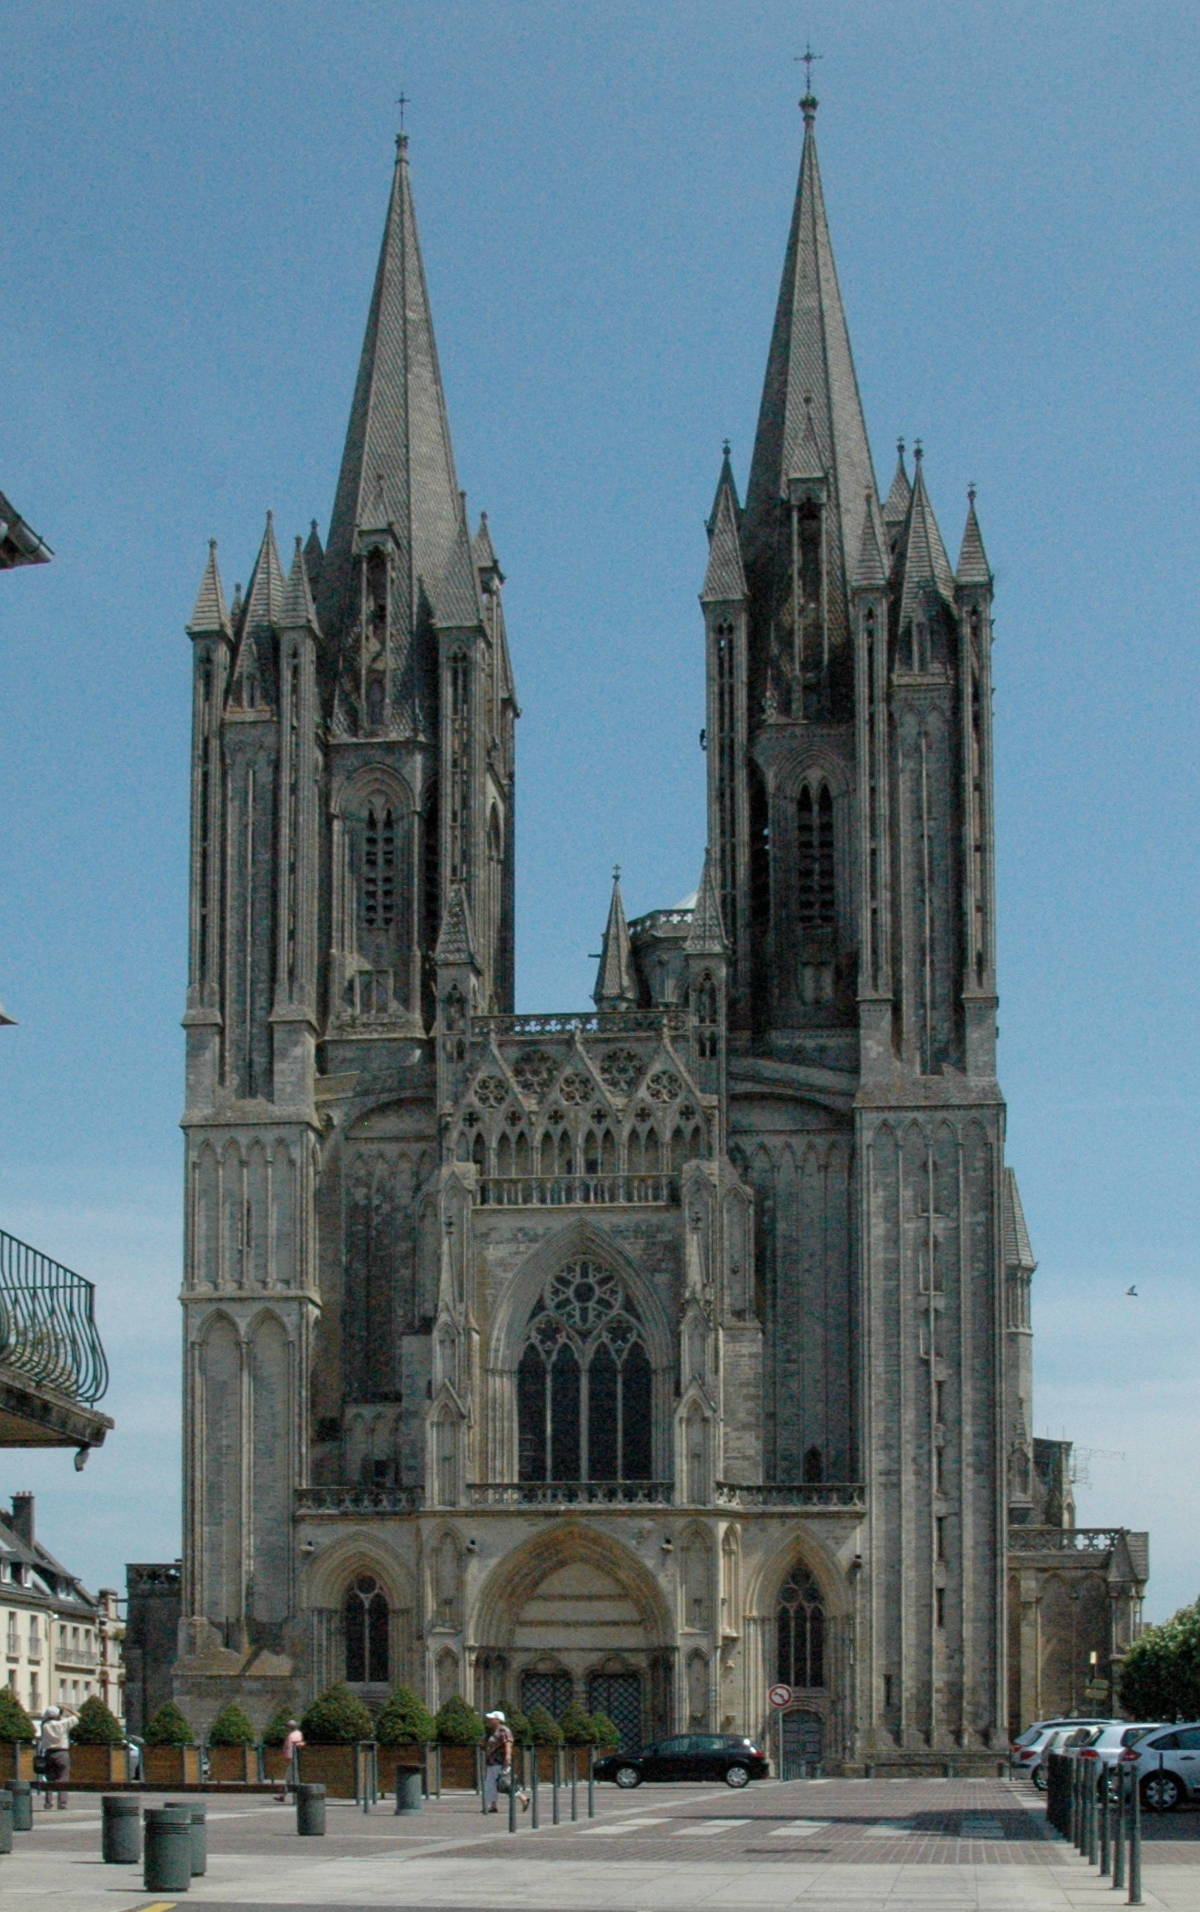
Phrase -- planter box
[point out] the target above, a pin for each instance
(233, 1765)
(16, 1760)
(171, 1766)
(330, 1766)
(392, 1756)
(99, 1766)
(458, 1768)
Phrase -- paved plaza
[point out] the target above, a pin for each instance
(951, 1845)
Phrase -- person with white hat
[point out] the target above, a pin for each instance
(54, 1748)
(498, 1760)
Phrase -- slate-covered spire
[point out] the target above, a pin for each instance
(264, 599)
(895, 509)
(398, 464)
(616, 984)
(210, 617)
(973, 567)
(456, 938)
(725, 579)
(253, 677)
(925, 566)
(810, 377)
(298, 611)
(706, 937)
(871, 568)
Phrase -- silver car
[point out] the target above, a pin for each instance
(1028, 1751)
(1166, 1764)
(1108, 1743)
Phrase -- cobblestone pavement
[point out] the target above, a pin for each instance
(903, 1845)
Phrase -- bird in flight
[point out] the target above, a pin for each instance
(1132, 1289)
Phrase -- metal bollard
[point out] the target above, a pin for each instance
(480, 1776)
(533, 1797)
(574, 1787)
(120, 1829)
(6, 1822)
(513, 1784)
(198, 1834)
(437, 1769)
(310, 1810)
(1118, 1869)
(1093, 1813)
(1105, 1825)
(167, 1854)
(591, 1783)
(555, 1779)
(1135, 1842)
(408, 1789)
(22, 1804)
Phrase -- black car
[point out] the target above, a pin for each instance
(687, 1756)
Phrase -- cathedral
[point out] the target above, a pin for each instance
(663, 1353)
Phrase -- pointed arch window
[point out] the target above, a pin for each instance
(584, 1382)
(800, 1631)
(816, 896)
(366, 1624)
(379, 868)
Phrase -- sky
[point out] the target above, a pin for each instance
(194, 200)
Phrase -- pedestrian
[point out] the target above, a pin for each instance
(54, 1748)
(292, 1742)
(498, 1773)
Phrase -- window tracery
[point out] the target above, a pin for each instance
(366, 1626)
(800, 1631)
(584, 1381)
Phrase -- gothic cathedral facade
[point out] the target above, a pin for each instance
(652, 1355)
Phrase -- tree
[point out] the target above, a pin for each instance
(169, 1728)
(519, 1726)
(544, 1730)
(96, 1726)
(1161, 1675)
(575, 1725)
(404, 1719)
(15, 1722)
(337, 1718)
(604, 1733)
(231, 1728)
(457, 1723)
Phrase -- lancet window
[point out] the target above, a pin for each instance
(800, 1631)
(584, 1382)
(816, 897)
(366, 1624)
(379, 868)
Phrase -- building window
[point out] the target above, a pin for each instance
(553, 1691)
(800, 1631)
(366, 1618)
(816, 896)
(379, 869)
(584, 1382)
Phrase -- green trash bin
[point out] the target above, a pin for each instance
(199, 1834)
(120, 1829)
(22, 1804)
(167, 1859)
(310, 1810)
(408, 1789)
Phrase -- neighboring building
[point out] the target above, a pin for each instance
(61, 1643)
(152, 1615)
(651, 1355)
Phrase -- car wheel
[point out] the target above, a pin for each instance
(1161, 1792)
(627, 1777)
(1039, 1778)
(737, 1776)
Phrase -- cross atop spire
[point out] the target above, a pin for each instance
(808, 104)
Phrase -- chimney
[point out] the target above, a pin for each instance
(22, 1517)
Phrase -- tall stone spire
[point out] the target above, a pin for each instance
(616, 984)
(811, 413)
(397, 469)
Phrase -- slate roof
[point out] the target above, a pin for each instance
(210, 616)
(924, 564)
(973, 567)
(706, 937)
(1018, 1250)
(724, 580)
(456, 940)
(297, 609)
(616, 984)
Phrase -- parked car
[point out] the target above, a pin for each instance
(1041, 1725)
(1060, 1739)
(687, 1756)
(1166, 1765)
(1026, 1759)
(1107, 1743)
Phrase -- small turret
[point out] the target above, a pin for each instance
(616, 984)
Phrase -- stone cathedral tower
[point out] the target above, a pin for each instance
(648, 1355)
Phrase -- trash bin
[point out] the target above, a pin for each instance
(310, 1810)
(199, 1834)
(22, 1804)
(120, 1829)
(408, 1789)
(167, 1859)
(6, 1825)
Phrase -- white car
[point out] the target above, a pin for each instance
(1025, 1756)
(1108, 1743)
(1166, 1764)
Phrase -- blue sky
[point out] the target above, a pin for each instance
(194, 200)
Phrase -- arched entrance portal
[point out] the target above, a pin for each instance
(574, 1616)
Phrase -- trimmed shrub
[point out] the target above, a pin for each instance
(545, 1729)
(336, 1718)
(231, 1728)
(276, 1729)
(576, 1725)
(96, 1726)
(458, 1724)
(604, 1733)
(169, 1728)
(15, 1722)
(404, 1719)
(518, 1726)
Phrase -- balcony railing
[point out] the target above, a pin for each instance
(599, 1022)
(1063, 1539)
(566, 1191)
(47, 1329)
(571, 1493)
(791, 1494)
(353, 1499)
